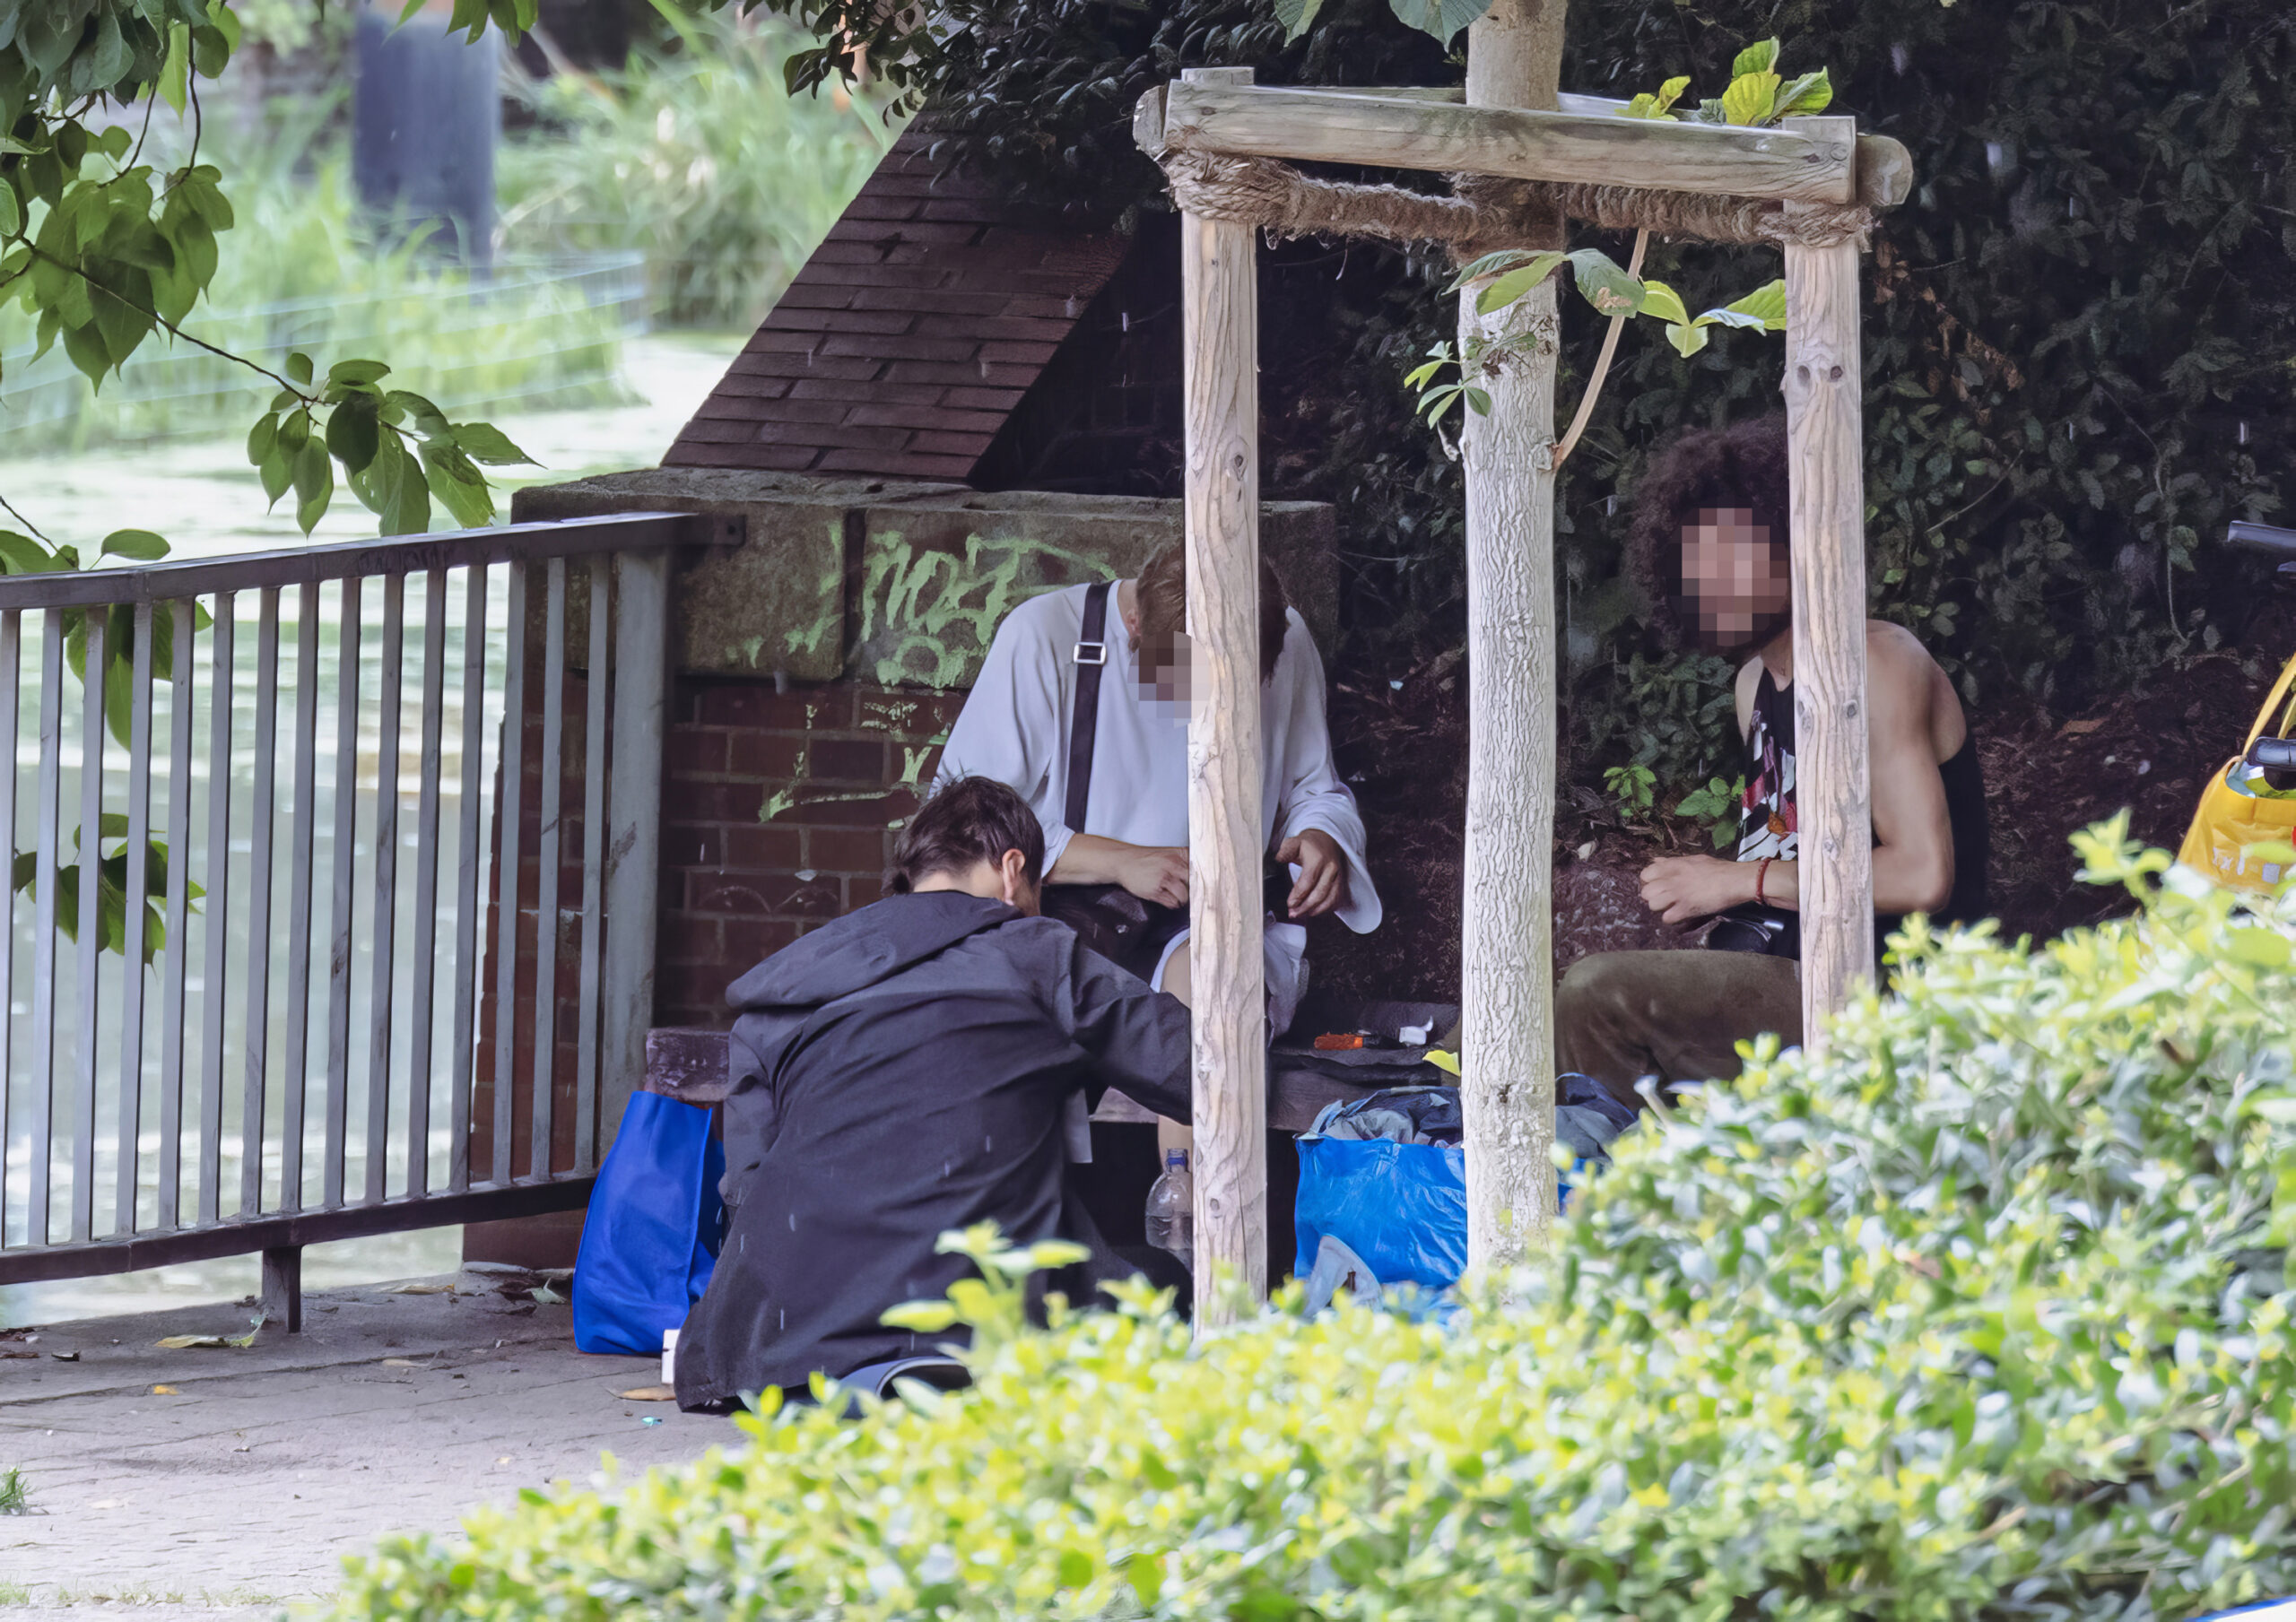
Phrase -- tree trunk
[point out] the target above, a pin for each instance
(1514, 59)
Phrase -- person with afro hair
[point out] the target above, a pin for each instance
(1710, 545)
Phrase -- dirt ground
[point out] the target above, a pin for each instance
(1402, 745)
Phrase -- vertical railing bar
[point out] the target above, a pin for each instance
(342, 908)
(594, 871)
(393, 663)
(132, 938)
(11, 633)
(263, 815)
(46, 808)
(506, 992)
(426, 885)
(469, 856)
(297, 1060)
(94, 664)
(634, 830)
(175, 956)
(219, 907)
(553, 725)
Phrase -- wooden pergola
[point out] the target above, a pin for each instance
(1784, 177)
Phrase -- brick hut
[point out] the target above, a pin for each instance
(954, 406)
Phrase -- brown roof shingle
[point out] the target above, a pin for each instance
(908, 338)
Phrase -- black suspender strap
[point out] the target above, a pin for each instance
(1092, 656)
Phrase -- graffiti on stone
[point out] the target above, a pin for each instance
(928, 614)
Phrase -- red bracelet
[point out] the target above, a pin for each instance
(1762, 871)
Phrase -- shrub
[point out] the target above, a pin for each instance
(1982, 1313)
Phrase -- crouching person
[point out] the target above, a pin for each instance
(910, 1068)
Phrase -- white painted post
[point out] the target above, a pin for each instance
(634, 827)
(1823, 400)
(1220, 303)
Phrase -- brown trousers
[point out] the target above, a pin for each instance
(1678, 1016)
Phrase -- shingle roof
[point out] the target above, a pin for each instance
(908, 338)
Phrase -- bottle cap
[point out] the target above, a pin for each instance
(1176, 1157)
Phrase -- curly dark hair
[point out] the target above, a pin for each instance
(1742, 465)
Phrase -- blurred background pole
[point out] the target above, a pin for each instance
(426, 115)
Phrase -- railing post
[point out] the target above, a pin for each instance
(634, 825)
(282, 1293)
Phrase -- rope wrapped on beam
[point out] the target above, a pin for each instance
(1480, 215)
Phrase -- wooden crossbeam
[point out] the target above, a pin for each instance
(1594, 149)
(1884, 168)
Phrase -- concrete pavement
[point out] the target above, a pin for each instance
(237, 1492)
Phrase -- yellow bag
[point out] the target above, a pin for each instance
(2241, 808)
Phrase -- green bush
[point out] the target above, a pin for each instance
(699, 160)
(1982, 1313)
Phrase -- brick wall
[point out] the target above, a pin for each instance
(777, 813)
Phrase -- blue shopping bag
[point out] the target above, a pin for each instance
(1401, 1207)
(650, 1238)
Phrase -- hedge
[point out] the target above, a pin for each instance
(1981, 1314)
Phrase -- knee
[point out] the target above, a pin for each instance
(1600, 981)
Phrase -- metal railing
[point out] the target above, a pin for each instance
(330, 1035)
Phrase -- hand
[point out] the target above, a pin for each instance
(1155, 872)
(1322, 885)
(1682, 889)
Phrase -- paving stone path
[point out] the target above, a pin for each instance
(237, 1493)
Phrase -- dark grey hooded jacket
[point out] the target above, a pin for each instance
(900, 1072)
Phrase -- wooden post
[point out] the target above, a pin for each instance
(1507, 1059)
(1824, 398)
(1220, 302)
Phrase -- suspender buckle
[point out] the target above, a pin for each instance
(1092, 653)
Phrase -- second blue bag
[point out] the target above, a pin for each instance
(649, 1240)
(1401, 1207)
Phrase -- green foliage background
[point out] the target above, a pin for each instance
(2078, 342)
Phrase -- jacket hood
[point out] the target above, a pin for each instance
(861, 948)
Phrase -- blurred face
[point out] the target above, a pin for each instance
(1164, 670)
(1737, 587)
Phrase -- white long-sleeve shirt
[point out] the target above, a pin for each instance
(1015, 729)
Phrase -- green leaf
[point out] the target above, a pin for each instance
(1751, 99)
(175, 71)
(1505, 289)
(1662, 303)
(1603, 284)
(1297, 16)
(460, 488)
(353, 432)
(1688, 338)
(23, 555)
(922, 1317)
(278, 471)
(483, 442)
(1760, 57)
(262, 439)
(12, 212)
(299, 369)
(140, 545)
(1810, 94)
(428, 421)
(354, 372)
(1766, 303)
(314, 485)
(1489, 265)
(2261, 947)
(1441, 18)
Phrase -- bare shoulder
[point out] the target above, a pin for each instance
(1896, 656)
(1749, 682)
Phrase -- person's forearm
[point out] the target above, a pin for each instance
(1089, 859)
(1903, 882)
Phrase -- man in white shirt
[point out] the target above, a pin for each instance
(1019, 727)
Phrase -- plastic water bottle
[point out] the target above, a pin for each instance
(1171, 1209)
